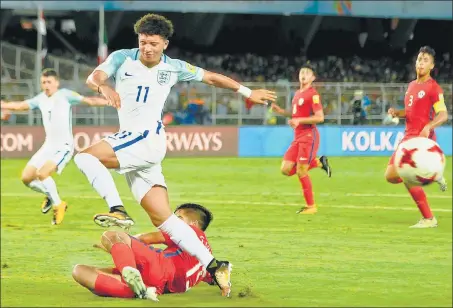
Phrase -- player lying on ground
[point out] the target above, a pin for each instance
(144, 77)
(55, 106)
(301, 155)
(146, 272)
(423, 96)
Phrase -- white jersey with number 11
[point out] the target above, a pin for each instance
(142, 90)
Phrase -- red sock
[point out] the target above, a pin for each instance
(314, 163)
(419, 197)
(122, 256)
(109, 286)
(307, 189)
(293, 171)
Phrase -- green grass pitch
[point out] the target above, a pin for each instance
(356, 251)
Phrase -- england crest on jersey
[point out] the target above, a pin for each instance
(163, 77)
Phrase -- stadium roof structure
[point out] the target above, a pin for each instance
(383, 9)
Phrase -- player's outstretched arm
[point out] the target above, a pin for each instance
(146, 238)
(260, 96)
(151, 238)
(15, 106)
(397, 113)
(280, 111)
(95, 101)
(317, 118)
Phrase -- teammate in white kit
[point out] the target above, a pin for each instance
(55, 106)
(144, 77)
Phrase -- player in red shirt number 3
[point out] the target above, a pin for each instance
(423, 96)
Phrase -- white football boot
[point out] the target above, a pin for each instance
(425, 223)
(442, 184)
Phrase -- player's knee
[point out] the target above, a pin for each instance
(392, 177)
(109, 238)
(388, 178)
(302, 170)
(42, 175)
(26, 179)
(28, 176)
(394, 180)
(77, 272)
(286, 169)
(89, 156)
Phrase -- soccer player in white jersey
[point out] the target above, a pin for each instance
(55, 106)
(144, 77)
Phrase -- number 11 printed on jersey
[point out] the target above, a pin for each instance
(140, 93)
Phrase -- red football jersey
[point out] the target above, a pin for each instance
(305, 104)
(418, 103)
(189, 271)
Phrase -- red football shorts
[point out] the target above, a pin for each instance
(392, 158)
(303, 150)
(155, 268)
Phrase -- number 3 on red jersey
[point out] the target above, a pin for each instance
(411, 101)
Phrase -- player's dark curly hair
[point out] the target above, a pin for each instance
(205, 215)
(49, 72)
(153, 24)
(428, 50)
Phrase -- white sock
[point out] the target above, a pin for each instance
(99, 177)
(51, 188)
(37, 186)
(186, 238)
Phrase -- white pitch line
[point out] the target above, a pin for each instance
(244, 202)
(268, 193)
(396, 195)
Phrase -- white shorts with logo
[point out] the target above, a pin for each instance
(60, 155)
(140, 155)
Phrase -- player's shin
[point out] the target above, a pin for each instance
(186, 238)
(99, 177)
(419, 196)
(109, 286)
(307, 189)
(122, 256)
(37, 186)
(51, 188)
(315, 163)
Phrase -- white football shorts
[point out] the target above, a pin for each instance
(60, 155)
(140, 155)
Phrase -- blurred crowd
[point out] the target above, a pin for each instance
(251, 67)
(354, 104)
(273, 68)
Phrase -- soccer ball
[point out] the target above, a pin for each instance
(420, 161)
